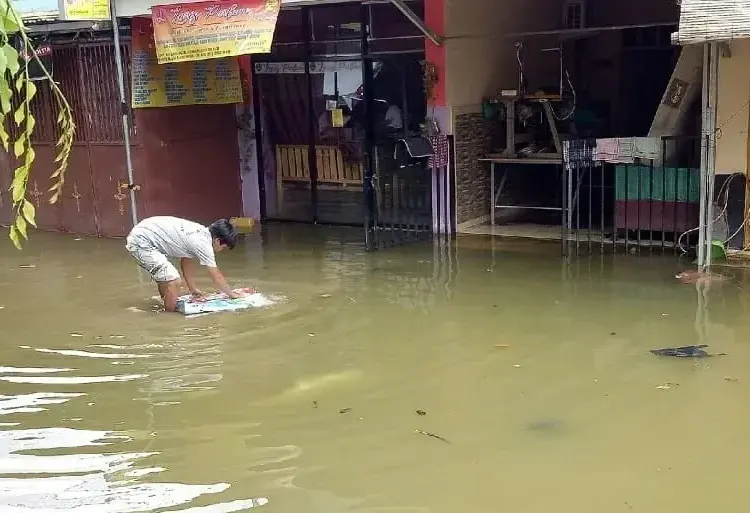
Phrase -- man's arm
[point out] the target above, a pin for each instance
(188, 272)
(221, 283)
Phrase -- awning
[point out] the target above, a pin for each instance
(703, 21)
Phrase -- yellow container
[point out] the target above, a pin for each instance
(243, 224)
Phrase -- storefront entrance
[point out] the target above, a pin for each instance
(336, 103)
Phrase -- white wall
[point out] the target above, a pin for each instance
(480, 58)
(733, 116)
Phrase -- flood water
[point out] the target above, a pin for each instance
(533, 374)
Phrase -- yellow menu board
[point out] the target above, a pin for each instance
(211, 81)
(84, 9)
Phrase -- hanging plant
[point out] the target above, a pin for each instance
(17, 91)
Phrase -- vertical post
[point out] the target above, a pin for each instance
(369, 177)
(258, 125)
(704, 155)
(713, 92)
(746, 222)
(124, 109)
(493, 199)
(312, 120)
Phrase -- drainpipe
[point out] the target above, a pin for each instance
(124, 109)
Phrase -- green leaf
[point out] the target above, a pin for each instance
(5, 96)
(8, 21)
(14, 237)
(30, 124)
(9, 18)
(30, 90)
(21, 227)
(4, 137)
(19, 191)
(19, 115)
(19, 175)
(30, 156)
(54, 198)
(11, 54)
(3, 61)
(28, 210)
(20, 146)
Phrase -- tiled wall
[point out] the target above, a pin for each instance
(473, 139)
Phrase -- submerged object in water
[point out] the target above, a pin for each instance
(323, 381)
(685, 352)
(692, 277)
(317, 384)
(550, 425)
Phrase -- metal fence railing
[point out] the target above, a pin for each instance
(648, 205)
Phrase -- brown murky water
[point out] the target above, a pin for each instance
(536, 374)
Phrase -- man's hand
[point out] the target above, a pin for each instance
(188, 272)
(198, 295)
(236, 295)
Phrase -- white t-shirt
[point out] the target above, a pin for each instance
(175, 238)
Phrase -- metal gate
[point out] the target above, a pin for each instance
(398, 200)
(92, 200)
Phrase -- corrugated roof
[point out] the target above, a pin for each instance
(713, 20)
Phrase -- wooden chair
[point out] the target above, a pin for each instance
(293, 165)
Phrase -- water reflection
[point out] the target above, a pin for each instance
(191, 361)
(32, 402)
(57, 469)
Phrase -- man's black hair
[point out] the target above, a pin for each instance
(224, 232)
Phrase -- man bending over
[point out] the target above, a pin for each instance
(156, 239)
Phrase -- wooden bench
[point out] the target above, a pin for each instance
(293, 165)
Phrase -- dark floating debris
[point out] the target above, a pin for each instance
(546, 425)
(315, 404)
(421, 412)
(431, 435)
(345, 410)
(685, 352)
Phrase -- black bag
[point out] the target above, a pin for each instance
(411, 151)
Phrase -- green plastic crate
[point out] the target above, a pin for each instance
(670, 184)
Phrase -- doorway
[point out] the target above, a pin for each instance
(342, 86)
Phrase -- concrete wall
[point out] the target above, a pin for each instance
(479, 58)
(733, 116)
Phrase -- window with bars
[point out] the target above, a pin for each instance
(574, 14)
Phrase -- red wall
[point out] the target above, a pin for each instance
(189, 165)
(434, 13)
